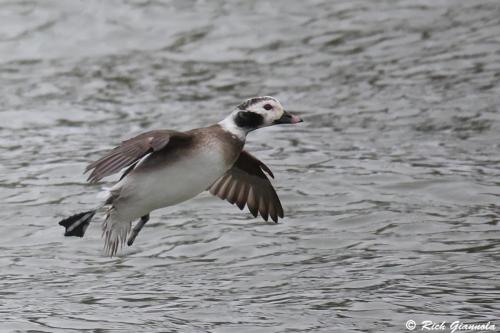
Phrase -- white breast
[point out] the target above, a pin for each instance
(142, 192)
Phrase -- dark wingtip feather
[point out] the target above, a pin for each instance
(240, 204)
(91, 178)
(232, 192)
(242, 196)
(252, 202)
(266, 169)
(272, 212)
(224, 186)
(281, 213)
(263, 207)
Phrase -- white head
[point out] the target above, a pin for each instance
(255, 113)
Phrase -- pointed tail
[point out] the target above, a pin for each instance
(77, 224)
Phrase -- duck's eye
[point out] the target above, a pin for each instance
(268, 107)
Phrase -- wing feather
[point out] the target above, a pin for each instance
(130, 151)
(247, 184)
(242, 195)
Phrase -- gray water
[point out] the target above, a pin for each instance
(390, 187)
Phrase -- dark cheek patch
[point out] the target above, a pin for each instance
(248, 119)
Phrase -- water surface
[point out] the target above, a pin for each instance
(390, 187)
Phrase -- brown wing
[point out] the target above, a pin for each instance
(246, 183)
(130, 152)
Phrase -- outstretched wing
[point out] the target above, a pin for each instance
(130, 152)
(246, 184)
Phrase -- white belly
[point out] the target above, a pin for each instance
(143, 192)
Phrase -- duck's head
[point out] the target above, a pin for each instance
(258, 112)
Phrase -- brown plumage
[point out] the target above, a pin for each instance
(132, 150)
(246, 184)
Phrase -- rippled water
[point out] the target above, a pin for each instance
(391, 186)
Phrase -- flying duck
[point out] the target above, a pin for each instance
(166, 167)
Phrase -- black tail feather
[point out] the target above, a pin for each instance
(77, 224)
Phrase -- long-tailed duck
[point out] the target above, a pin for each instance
(165, 167)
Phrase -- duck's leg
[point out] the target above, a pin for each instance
(137, 228)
